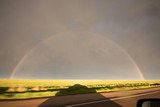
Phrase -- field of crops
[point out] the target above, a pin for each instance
(17, 83)
(20, 89)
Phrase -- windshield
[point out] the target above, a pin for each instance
(51, 47)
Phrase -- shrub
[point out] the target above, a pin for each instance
(3, 89)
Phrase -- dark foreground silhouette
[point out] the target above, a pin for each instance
(60, 99)
(76, 89)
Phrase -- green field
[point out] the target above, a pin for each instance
(21, 89)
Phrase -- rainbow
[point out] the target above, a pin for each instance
(117, 45)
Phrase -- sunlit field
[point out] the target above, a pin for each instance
(22, 89)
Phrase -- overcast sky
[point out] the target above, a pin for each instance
(80, 39)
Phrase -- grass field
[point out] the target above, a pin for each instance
(21, 89)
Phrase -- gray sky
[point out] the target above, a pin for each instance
(80, 39)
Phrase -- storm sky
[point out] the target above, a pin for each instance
(80, 39)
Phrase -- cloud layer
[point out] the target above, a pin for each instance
(134, 25)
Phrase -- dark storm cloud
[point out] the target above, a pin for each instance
(133, 24)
